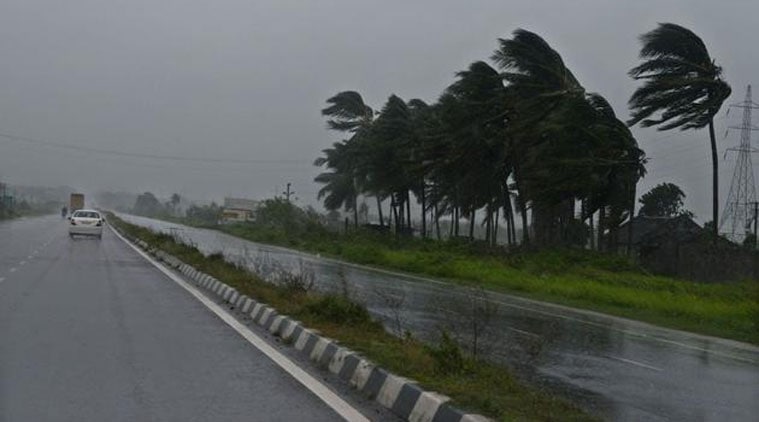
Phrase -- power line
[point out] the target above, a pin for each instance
(104, 151)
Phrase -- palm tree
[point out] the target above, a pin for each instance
(566, 145)
(175, 200)
(339, 188)
(539, 85)
(390, 152)
(682, 84)
(347, 112)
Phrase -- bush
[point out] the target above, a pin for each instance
(338, 309)
(447, 356)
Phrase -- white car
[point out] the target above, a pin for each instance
(86, 223)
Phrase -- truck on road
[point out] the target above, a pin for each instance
(76, 202)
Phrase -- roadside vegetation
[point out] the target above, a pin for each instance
(591, 280)
(581, 278)
(473, 384)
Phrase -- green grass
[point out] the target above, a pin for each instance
(475, 386)
(584, 279)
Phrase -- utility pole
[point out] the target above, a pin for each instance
(736, 220)
(288, 192)
(756, 220)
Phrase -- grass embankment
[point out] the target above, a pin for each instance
(579, 278)
(473, 385)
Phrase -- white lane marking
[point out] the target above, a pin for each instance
(30, 256)
(337, 404)
(636, 363)
(2, 279)
(22, 263)
(527, 333)
(12, 270)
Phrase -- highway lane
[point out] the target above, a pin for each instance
(616, 368)
(90, 331)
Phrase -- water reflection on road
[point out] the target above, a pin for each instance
(618, 369)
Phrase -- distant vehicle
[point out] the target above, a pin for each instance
(76, 202)
(86, 223)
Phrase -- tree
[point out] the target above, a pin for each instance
(347, 113)
(663, 200)
(148, 205)
(528, 136)
(340, 185)
(682, 85)
(565, 144)
(474, 163)
(204, 214)
(175, 199)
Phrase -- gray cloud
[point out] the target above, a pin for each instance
(244, 79)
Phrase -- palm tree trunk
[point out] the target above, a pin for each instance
(525, 226)
(507, 210)
(394, 210)
(379, 211)
(495, 227)
(401, 214)
(715, 180)
(488, 224)
(512, 222)
(408, 211)
(471, 223)
(437, 221)
(630, 224)
(355, 212)
(456, 221)
(601, 224)
(424, 213)
(450, 231)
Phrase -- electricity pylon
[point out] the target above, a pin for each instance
(738, 215)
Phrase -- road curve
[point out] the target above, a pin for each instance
(89, 331)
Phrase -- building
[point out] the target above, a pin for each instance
(238, 210)
(652, 230)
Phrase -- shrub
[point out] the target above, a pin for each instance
(447, 355)
(338, 309)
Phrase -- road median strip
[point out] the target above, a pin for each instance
(401, 396)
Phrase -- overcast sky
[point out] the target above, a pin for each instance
(246, 80)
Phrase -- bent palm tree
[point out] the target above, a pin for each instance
(339, 188)
(683, 85)
(348, 112)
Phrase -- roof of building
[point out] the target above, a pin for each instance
(646, 228)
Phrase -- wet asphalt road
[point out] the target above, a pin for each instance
(616, 368)
(89, 331)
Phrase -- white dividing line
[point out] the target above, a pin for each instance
(334, 401)
(2, 279)
(527, 333)
(22, 263)
(632, 362)
(12, 270)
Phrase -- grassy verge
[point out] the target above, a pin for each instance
(578, 278)
(473, 385)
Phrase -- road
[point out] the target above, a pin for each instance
(616, 368)
(90, 331)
